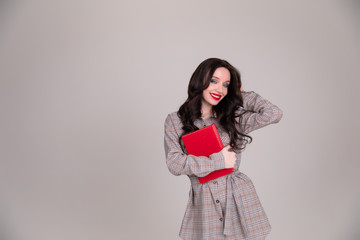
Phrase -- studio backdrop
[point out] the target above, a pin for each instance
(85, 87)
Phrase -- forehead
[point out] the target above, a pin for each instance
(222, 74)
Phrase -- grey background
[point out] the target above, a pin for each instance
(86, 86)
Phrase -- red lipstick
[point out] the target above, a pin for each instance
(215, 96)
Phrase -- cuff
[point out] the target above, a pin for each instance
(218, 160)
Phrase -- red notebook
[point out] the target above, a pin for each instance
(205, 142)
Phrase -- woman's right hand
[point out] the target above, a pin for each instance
(229, 156)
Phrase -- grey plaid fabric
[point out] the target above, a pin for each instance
(228, 207)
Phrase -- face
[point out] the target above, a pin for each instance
(217, 88)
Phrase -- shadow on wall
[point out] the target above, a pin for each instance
(6, 228)
(354, 230)
(7, 9)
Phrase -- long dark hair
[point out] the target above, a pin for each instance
(225, 110)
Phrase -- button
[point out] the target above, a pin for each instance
(215, 182)
(221, 219)
(217, 201)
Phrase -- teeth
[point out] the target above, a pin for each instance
(215, 96)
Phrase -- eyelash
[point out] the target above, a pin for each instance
(226, 85)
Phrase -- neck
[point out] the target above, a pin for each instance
(206, 110)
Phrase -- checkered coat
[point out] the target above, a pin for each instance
(228, 207)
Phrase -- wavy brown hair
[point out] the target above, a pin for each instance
(225, 110)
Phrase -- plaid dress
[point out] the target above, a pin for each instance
(228, 207)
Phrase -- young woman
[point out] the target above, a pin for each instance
(227, 207)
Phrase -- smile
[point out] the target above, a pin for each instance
(215, 96)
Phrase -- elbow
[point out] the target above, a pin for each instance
(278, 115)
(271, 116)
(173, 168)
(274, 115)
(173, 171)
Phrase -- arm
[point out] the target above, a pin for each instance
(261, 112)
(180, 163)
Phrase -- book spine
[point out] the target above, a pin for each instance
(217, 135)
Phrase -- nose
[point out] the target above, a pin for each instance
(219, 88)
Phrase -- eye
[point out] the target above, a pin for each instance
(226, 85)
(213, 81)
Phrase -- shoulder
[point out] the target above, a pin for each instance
(173, 125)
(172, 117)
(172, 120)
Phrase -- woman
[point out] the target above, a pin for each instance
(227, 207)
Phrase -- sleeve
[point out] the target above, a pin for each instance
(258, 112)
(180, 163)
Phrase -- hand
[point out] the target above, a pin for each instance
(229, 156)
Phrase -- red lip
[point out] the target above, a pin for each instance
(215, 96)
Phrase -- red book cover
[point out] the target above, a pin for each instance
(205, 142)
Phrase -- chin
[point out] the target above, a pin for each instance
(216, 103)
